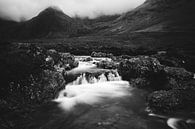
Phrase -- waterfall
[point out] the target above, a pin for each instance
(89, 78)
(92, 87)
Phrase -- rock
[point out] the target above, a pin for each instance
(52, 82)
(101, 54)
(54, 55)
(172, 100)
(107, 64)
(178, 77)
(68, 61)
(142, 66)
(88, 59)
(169, 60)
(178, 73)
(175, 58)
(29, 79)
(140, 83)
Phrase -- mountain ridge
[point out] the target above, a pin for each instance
(151, 16)
(49, 23)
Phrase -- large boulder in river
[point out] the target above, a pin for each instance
(177, 78)
(142, 66)
(158, 76)
(88, 59)
(68, 61)
(140, 83)
(178, 73)
(172, 100)
(104, 64)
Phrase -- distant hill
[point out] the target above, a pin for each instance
(50, 23)
(151, 16)
(6, 28)
(156, 16)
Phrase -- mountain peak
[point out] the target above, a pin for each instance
(52, 10)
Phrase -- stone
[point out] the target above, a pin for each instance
(141, 83)
(107, 64)
(142, 66)
(171, 100)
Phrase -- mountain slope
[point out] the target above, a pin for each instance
(50, 23)
(157, 16)
(6, 28)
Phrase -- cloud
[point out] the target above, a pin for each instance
(20, 9)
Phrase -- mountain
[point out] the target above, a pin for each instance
(50, 23)
(156, 16)
(7, 27)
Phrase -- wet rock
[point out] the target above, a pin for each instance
(29, 79)
(142, 66)
(178, 77)
(52, 82)
(68, 61)
(178, 73)
(140, 83)
(54, 55)
(29, 73)
(172, 100)
(101, 54)
(88, 59)
(107, 64)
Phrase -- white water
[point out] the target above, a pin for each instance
(90, 89)
(91, 93)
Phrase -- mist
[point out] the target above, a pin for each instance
(26, 9)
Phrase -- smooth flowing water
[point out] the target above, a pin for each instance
(99, 99)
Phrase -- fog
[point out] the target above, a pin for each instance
(25, 9)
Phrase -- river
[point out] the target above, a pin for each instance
(98, 99)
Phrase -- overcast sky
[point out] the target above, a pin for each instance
(20, 9)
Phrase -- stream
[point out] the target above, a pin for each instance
(99, 99)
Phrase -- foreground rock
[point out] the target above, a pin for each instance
(174, 87)
(177, 78)
(149, 69)
(137, 68)
(142, 66)
(172, 100)
(31, 76)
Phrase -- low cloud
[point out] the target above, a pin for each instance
(26, 9)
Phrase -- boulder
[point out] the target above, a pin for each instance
(54, 55)
(68, 61)
(27, 81)
(142, 66)
(140, 83)
(88, 59)
(107, 64)
(178, 73)
(177, 78)
(171, 101)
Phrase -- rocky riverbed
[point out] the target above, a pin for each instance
(32, 76)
